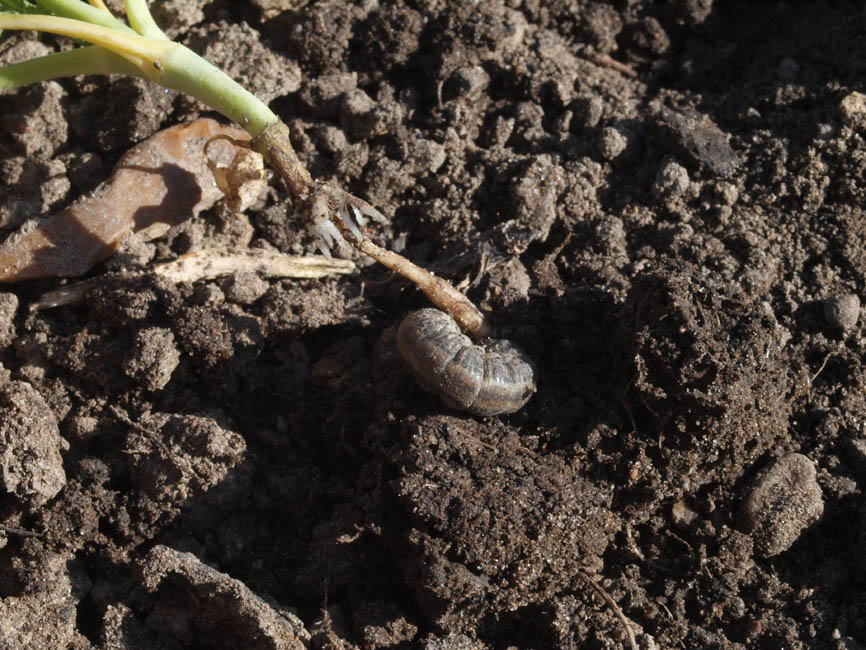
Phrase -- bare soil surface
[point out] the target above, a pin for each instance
(661, 202)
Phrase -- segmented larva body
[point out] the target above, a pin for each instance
(483, 379)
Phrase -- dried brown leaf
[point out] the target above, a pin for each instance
(156, 185)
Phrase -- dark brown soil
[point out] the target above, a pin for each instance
(662, 202)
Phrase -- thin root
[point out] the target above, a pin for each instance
(13, 530)
(349, 226)
(337, 216)
(616, 610)
(607, 61)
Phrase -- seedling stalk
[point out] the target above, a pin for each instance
(142, 49)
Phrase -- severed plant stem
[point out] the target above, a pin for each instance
(153, 56)
(142, 49)
(439, 291)
(83, 60)
(99, 4)
(275, 145)
(132, 47)
(82, 11)
(142, 22)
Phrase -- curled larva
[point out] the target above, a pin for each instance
(483, 379)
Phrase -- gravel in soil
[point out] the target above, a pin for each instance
(660, 202)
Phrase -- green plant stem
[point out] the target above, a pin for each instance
(184, 70)
(82, 11)
(140, 51)
(99, 4)
(84, 60)
(141, 21)
(146, 52)
(162, 61)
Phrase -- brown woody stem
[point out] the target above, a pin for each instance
(276, 147)
(440, 292)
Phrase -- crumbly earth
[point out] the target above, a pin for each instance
(662, 202)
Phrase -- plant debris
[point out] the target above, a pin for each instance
(156, 185)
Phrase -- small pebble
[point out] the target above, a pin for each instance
(425, 156)
(783, 502)
(682, 516)
(324, 94)
(30, 444)
(152, 358)
(694, 139)
(671, 181)
(207, 295)
(853, 108)
(727, 193)
(588, 112)
(611, 143)
(842, 312)
(244, 288)
(359, 116)
(453, 641)
(510, 281)
(467, 82)
(8, 308)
